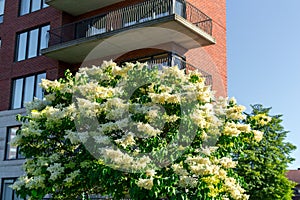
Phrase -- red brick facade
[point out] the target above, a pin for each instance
(12, 24)
(211, 59)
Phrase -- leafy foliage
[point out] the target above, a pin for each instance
(138, 133)
(263, 164)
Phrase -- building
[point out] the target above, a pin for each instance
(42, 38)
(294, 175)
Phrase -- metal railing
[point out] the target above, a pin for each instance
(129, 16)
(170, 59)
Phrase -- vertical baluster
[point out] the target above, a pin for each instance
(120, 18)
(138, 14)
(158, 8)
(142, 12)
(113, 20)
(135, 12)
(101, 23)
(116, 21)
(127, 16)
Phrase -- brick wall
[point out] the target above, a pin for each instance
(213, 58)
(8, 30)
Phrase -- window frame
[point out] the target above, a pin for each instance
(27, 43)
(42, 6)
(8, 146)
(23, 78)
(13, 179)
(2, 14)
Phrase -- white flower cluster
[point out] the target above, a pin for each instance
(87, 108)
(258, 135)
(165, 97)
(234, 189)
(145, 183)
(147, 130)
(236, 112)
(234, 129)
(188, 182)
(35, 182)
(122, 160)
(212, 171)
(126, 140)
(56, 171)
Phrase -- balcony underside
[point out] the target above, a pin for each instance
(153, 34)
(78, 7)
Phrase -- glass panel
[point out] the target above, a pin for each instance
(2, 3)
(25, 7)
(29, 89)
(7, 191)
(19, 156)
(179, 8)
(179, 62)
(38, 90)
(36, 5)
(44, 37)
(33, 43)
(44, 4)
(11, 150)
(17, 94)
(22, 42)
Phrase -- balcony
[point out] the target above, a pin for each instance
(149, 24)
(171, 59)
(78, 7)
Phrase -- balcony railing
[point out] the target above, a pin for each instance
(129, 16)
(169, 59)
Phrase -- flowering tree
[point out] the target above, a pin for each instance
(132, 132)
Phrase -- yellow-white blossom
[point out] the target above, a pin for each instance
(150, 172)
(170, 118)
(126, 140)
(87, 108)
(147, 130)
(227, 162)
(187, 182)
(258, 135)
(236, 112)
(145, 183)
(178, 169)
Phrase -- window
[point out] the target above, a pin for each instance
(29, 6)
(30, 43)
(7, 192)
(24, 89)
(12, 152)
(2, 3)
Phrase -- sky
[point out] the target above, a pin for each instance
(263, 51)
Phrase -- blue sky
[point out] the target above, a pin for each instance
(263, 43)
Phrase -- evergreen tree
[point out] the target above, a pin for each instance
(264, 164)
